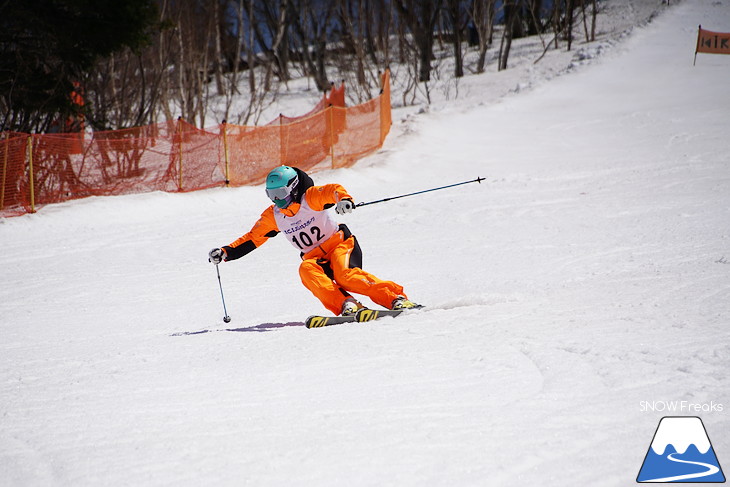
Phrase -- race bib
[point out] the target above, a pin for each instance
(308, 228)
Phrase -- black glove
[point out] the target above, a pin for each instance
(216, 256)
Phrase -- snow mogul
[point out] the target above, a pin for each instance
(331, 265)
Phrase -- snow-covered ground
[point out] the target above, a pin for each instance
(586, 279)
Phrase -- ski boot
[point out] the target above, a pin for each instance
(350, 307)
(401, 303)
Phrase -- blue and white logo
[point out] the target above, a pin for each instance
(681, 452)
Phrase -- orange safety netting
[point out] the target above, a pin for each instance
(175, 156)
(335, 97)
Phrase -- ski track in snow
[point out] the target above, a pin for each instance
(585, 275)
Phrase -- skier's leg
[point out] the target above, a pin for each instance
(346, 262)
(314, 276)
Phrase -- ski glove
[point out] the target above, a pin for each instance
(344, 206)
(216, 256)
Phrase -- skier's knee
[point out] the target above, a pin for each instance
(307, 268)
(345, 275)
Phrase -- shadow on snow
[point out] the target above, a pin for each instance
(263, 327)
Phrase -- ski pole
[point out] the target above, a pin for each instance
(477, 180)
(226, 318)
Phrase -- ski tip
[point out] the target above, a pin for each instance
(315, 321)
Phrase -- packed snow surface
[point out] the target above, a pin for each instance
(572, 298)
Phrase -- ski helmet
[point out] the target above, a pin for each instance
(281, 185)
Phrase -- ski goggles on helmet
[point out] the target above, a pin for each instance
(282, 196)
(278, 193)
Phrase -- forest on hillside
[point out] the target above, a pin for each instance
(104, 64)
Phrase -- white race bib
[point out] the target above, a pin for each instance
(308, 228)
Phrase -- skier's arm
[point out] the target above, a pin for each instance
(322, 197)
(262, 230)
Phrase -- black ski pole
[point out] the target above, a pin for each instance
(477, 180)
(226, 318)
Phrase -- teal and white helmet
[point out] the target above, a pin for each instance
(281, 185)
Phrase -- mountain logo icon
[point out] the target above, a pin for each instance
(681, 452)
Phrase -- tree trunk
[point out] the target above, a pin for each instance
(594, 14)
(420, 17)
(218, 67)
(454, 14)
(570, 8)
(310, 25)
(506, 44)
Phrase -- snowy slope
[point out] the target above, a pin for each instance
(589, 273)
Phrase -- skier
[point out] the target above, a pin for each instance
(331, 265)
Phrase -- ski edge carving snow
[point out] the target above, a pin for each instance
(317, 321)
(373, 314)
(363, 315)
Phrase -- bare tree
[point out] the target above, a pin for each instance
(590, 33)
(510, 18)
(534, 20)
(594, 15)
(124, 91)
(481, 14)
(457, 21)
(162, 53)
(310, 22)
(208, 49)
(382, 12)
(232, 52)
(250, 50)
(569, 14)
(194, 29)
(420, 18)
(271, 27)
(218, 60)
(132, 87)
(352, 20)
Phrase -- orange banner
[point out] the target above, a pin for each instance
(713, 42)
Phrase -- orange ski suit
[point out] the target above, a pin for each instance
(331, 257)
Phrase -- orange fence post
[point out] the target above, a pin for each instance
(180, 143)
(332, 134)
(282, 150)
(225, 152)
(385, 111)
(31, 176)
(5, 171)
(284, 131)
